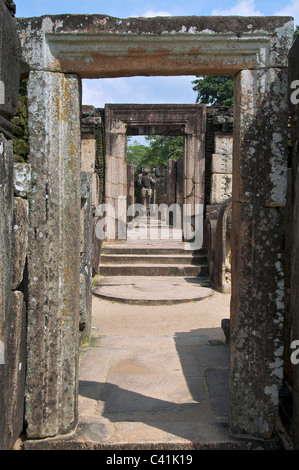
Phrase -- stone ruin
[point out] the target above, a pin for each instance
(48, 257)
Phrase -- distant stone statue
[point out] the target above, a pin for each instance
(147, 182)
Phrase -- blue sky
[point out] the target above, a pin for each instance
(151, 89)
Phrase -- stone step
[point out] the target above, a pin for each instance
(153, 270)
(198, 260)
(152, 250)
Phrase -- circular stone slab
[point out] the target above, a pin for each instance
(149, 290)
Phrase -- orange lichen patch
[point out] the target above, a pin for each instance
(161, 62)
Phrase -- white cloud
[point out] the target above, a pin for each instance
(152, 14)
(141, 90)
(292, 9)
(242, 8)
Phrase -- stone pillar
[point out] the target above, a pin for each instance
(6, 221)
(130, 185)
(53, 253)
(259, 196)
(180, 182)
(294, 237)
(194, 171)
(88, 161)
(116, 182)
(12, 338)
(86, 255)
(221, 185)
(171, 187)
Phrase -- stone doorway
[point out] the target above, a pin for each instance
(57, 53)
(131, 119)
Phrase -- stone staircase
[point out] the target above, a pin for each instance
(127, 260)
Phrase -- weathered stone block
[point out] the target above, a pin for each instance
(6, 220)
(116, 172)
(22, 179)
(95, 189)
(260, 137)
(10, 54)
(53, 253)
(130, 185)
(86, 256)
(19, 240)
(221, 188)
(180, 181)
(88, 155)
(293, 240)
(231, 45)
(224, 144)
(171, 182)
(16, 359)
(222, 163)
(257, 314)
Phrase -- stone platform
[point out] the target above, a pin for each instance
(152, 290)
(155, 378)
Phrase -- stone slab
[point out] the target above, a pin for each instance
(6, 220)
(224, 144)
(10, 53)
(17, 359)
(221, 188)
(19, 239)
(53, 253)
(100, 50)
(147, 290)
(222, 163)
(260, 145)
(88, 155)
(258, 287)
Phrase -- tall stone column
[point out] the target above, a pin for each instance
(294, 240)
(53, 253)
(259, 196)
(194, 183)
(116, 183)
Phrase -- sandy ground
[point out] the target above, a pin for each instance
(112, 318)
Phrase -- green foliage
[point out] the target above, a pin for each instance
(20, 129)
(156, 154)
(296, 32)
(136, 154)
(216, 91)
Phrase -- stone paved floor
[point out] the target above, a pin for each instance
(157, 290)
(154, 377)
(170, 389)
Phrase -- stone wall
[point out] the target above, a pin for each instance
(292, 281)
(13, 239)
(93, 162)
(219, 140)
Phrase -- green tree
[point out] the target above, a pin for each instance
(214, 90)
(136, 153)
(162, 148)
(156, 154)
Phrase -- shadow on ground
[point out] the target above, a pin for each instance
(185, 395)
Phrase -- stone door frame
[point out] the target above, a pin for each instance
(58, 51)
(164, 119)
